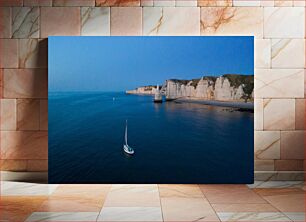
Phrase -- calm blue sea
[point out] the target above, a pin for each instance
(173, 142)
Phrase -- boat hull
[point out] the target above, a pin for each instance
(128, 150)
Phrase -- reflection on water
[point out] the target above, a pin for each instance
(173, 142)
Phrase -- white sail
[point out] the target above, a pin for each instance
(126, 132)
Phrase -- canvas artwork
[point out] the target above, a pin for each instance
(151, 109)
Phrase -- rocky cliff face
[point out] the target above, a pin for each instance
(146, 90)
(223, 88)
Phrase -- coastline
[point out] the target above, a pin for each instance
(231, 104)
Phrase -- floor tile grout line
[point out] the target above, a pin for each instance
(209, 202)
(104, 202)
(160, 202)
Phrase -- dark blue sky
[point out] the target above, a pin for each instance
(121, 63)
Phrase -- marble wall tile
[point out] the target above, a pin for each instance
(5, 3)
(37, 2)
(171, 21)
(288, 53)
(289, 165)
(267, 145)
(27, 114)
(73, 2)
(232, 21)
(8, 114)
(284, 3)
(13, 165)
(275, 83)
(186, 3)
(305, 82)
(262, 53)
(8, 53)
(120, 25)
(52, 16)
(260, 165)
(146, 2)
(249, 3)
(267, 3)
(122, 3)
(279, 114)
(300, 114)
(33, 53)
(211, 3)
(299, 3)
(22, 145)
(164, 3)
(258, 114)
(292, 144)
(43, 116)
(95, 21)
(25, 23)
(37, 165)
(5, 22)
(25, 83)
(279, 176)
(130, 214)
(278, 22)
(1, 83)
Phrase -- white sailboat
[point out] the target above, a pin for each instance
(126, 147)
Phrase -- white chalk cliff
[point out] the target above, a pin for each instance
(223, 88)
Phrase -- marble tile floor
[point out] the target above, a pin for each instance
(261, 201)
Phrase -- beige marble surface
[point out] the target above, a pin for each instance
(262, 53)
(279, 114)
(95, 21)
(8, 53)
(133, 196)
(258, 114)
(25, 83)
(5, 22)
(122, 26)
(25, 22)
(267, 145)
(288, 53)
(293, 145)
(232, 21)
(43, 114)
(8, 114)
(130, 214)
(171, 21)
(276, 83)
(52, 16)
(278, 22)
(33, 53)
(22, 144)
(28, 114)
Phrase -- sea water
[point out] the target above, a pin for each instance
(173, 142)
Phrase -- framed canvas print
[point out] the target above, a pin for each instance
(151, 109)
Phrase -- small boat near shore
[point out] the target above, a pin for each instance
(127, 149)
